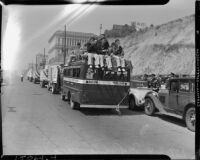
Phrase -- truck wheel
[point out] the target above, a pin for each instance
(190, 119)
(132, 104)
(53, 89)
(74, 105)
(42, 84)
(62, 96)
(149, 107)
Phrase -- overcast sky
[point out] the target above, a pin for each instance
(27, 29)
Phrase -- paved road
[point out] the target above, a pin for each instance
(37, 122)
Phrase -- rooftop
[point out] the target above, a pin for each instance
(71, 33)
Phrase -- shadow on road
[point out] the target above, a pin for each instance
(109, 112)
(171, 119)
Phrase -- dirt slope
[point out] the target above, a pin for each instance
(163, 49)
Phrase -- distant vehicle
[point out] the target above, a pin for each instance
(54, 78)
(44, 77)
(178, 99)
(36, 76)
(94, 89)
(30, 75)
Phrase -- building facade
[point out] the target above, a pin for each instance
(41, 60)
(57, 44)
(139, 25)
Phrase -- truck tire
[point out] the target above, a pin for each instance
(149, 107)
(190, 118)
(42, 84)
(62, 96)
(74, 105)
(34, 81)
(132, 104)
(53, 89)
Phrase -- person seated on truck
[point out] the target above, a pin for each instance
(118, 55)
(108, 57)
(91, 51)
(75, 54)
(102, 50)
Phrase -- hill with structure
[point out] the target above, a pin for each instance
(163, 49)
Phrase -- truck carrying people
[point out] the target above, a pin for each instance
(88, 81)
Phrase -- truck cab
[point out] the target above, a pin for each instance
(178, 99)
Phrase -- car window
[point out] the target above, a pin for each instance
(174, 86)
(192, 88)
(184, 86)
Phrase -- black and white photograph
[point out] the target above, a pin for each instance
(98, 79)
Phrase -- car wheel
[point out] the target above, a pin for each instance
(132, 104)
(190, 119)
(149, 107)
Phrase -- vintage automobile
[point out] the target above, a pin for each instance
(177, 99)
(137, 93)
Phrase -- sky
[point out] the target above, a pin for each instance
(26, 29)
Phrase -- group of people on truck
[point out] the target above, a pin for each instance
(100, 54)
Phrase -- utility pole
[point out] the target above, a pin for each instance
(65, 37)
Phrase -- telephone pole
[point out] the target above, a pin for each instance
(65, 45)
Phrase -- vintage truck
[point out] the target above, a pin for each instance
(44, 77)
(30, 75)
(178, 100)
(54, 78)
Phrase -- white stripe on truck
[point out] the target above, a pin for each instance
(111, 83)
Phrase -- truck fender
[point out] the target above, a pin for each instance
(158, 105)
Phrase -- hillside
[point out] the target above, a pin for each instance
(163, 49)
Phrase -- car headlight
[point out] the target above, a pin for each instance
(155, 94)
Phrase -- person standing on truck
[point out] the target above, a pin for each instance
(118, 55)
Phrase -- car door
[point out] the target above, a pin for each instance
(173, 95)
(184, 95)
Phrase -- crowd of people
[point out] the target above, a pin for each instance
(101, 54)
(156, 81)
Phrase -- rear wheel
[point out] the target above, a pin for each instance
(132, 104)
(74, 105)
(62, 96)
(53, 89)
(149, 107)
(190, 119)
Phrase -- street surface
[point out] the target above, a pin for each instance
(38, 122)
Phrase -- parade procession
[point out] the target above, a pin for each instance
(96, 84)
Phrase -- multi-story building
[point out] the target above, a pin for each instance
(41, 60)
(57, 44)
(117, 27)
(139, 25)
